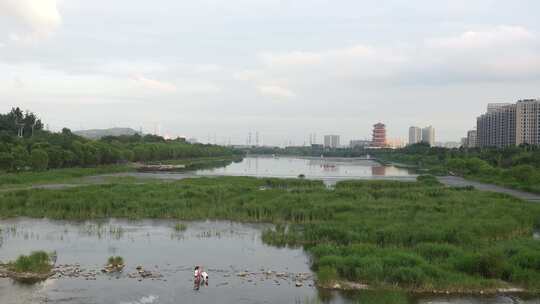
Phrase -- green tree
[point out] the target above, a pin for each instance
(39, 159)
(21, 158)
(6, 161)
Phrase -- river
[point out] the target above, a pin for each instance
(328, 169)
(242, 269)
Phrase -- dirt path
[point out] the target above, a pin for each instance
(461, 182)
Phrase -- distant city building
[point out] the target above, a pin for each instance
(192, 140)
(510, 125)
(331, 141)
(493, 107)
(497, 128)
(448, 144)
(528, 122)
(415, 135)
(379, 135)
(428, 135)
(358, 143)
(471, 139)
(395, 143)
(464, 142)
(452, 144)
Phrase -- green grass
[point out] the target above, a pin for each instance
(115, 261)
(36, 262)
(14, 180)
(202, 162)
(413, 235)
(180, 227)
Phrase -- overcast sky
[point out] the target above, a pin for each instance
(285, 68)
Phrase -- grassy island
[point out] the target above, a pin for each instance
(37, 262)
(418, 236)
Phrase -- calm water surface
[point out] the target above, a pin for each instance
(224, 248)
(313, 168)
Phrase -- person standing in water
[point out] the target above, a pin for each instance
(204, 277)
(197, 276)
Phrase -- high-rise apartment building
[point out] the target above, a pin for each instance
(415, 135)
(379, 136)
(528, 122)
(428, 135)
(331, 141)
(492, 107)
(510, 125)
(471, 139)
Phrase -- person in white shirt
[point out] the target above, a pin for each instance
(204, 276)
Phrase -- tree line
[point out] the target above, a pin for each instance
(39, 149)
(514, 166)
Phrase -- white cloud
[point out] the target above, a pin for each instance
(291, 58)
(500, 36)
(30, 20)
(497, 53)
(154, 84)
(275, 91)
(247, 75)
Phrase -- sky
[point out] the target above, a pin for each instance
(219, 69)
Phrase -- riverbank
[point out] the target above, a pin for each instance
(495, 181)
(511, 167)
(69, 177)
(72, 175)
(416, 236)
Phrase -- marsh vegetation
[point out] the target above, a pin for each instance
(417, 236)
(36, 262)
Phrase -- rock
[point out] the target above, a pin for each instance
(299, 284)
(336, 286)
(242, 274)
(139, 267)
(145, 274)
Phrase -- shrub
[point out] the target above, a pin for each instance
(489, 265)
(435, 251)
(327, 274)
(6, 161)
(115, 261)
(409, 276)
(39, 160)
(428, 179)
(36, 262)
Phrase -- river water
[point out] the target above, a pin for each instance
(327, 169)
(225, 249)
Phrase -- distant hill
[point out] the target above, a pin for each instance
(99, 133)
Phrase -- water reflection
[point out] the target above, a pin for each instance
(264, 166)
